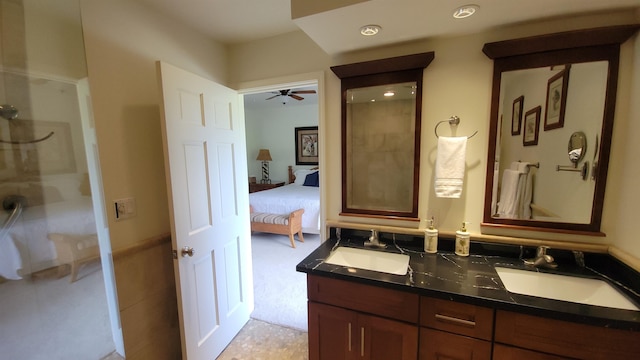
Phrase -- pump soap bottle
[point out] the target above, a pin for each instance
(462, 240)
(431, 239)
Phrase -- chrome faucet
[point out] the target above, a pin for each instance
(579, 256)
(542, 259)
(374, 241)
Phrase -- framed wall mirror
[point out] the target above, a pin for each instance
(381, 115)
(572, 77)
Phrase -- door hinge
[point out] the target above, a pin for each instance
(174, 254)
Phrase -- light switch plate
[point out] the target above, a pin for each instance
(124, 208)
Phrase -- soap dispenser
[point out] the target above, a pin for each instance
(462, 240)
(431, 238)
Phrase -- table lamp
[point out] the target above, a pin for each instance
(265, 157)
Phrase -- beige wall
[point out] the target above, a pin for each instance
(623, 195)
(458, 82)
(123, 40)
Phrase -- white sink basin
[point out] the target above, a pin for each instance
(566, 288)
(369, 260)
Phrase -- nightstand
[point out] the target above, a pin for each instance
(255, 187)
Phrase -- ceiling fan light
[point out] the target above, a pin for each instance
(370, 30)
(465, 11)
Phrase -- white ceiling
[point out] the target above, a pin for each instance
(336, 31)
(237, 21)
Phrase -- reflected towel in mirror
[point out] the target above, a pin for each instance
(516, 192)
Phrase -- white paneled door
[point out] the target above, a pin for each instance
(206, 170)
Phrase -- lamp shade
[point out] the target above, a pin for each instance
(264, 155)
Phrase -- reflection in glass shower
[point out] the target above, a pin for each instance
(53, 302)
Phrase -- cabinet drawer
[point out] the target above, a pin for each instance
(388, 303)
(503, 352)
(435, 344)
(459, 318)
(565, 338)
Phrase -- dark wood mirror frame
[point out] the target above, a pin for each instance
(400, 69)
(562, 48)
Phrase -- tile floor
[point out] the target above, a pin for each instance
(259, 340)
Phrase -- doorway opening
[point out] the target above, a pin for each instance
(274, 114)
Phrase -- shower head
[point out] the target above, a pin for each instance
(8, 112)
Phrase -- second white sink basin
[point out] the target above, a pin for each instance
(369, 260)
(561, 287)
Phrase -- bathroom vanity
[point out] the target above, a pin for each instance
(454, 307)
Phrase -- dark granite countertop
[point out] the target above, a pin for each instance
(474, 279)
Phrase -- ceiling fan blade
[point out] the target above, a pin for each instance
(274, 96)
(304, 92)
(296, 97)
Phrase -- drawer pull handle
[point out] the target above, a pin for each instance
(362, 341)
(349, 337)
(454, 320)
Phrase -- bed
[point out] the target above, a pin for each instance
(27, 249)
(293, 196)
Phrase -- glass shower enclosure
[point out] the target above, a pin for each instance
(57, 289)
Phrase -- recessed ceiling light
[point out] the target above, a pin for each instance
(465, 11)
(389, 93)
(370, 30)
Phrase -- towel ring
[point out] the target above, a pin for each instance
(454, 120)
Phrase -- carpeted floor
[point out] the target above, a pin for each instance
(47, 317)
(280, 292)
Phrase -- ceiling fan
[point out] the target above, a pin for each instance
(293, 94)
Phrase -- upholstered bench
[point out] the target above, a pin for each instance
(75, 250)
(284, 224)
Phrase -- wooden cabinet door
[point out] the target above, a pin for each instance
(384, 339)
(331, 333)
(336, 334)
(440, 345)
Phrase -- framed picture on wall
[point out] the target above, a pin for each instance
(47, 148)
(306, 145)
(531, 126)
(556, 99)
(516, 116)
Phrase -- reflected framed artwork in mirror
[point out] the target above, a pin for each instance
(531, 127)
(541, 197)
(516, 115)
(556, 99)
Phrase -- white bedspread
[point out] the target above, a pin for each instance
(29, 234)
(285, 199)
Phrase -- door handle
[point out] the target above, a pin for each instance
(187, 251)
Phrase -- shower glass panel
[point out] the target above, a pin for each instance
(56, 289)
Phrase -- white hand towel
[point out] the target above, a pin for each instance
(527, 195)
(508, 204)
(450, 164)
(520, 166)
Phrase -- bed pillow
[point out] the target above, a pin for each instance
(312, 180)
(301, 175)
